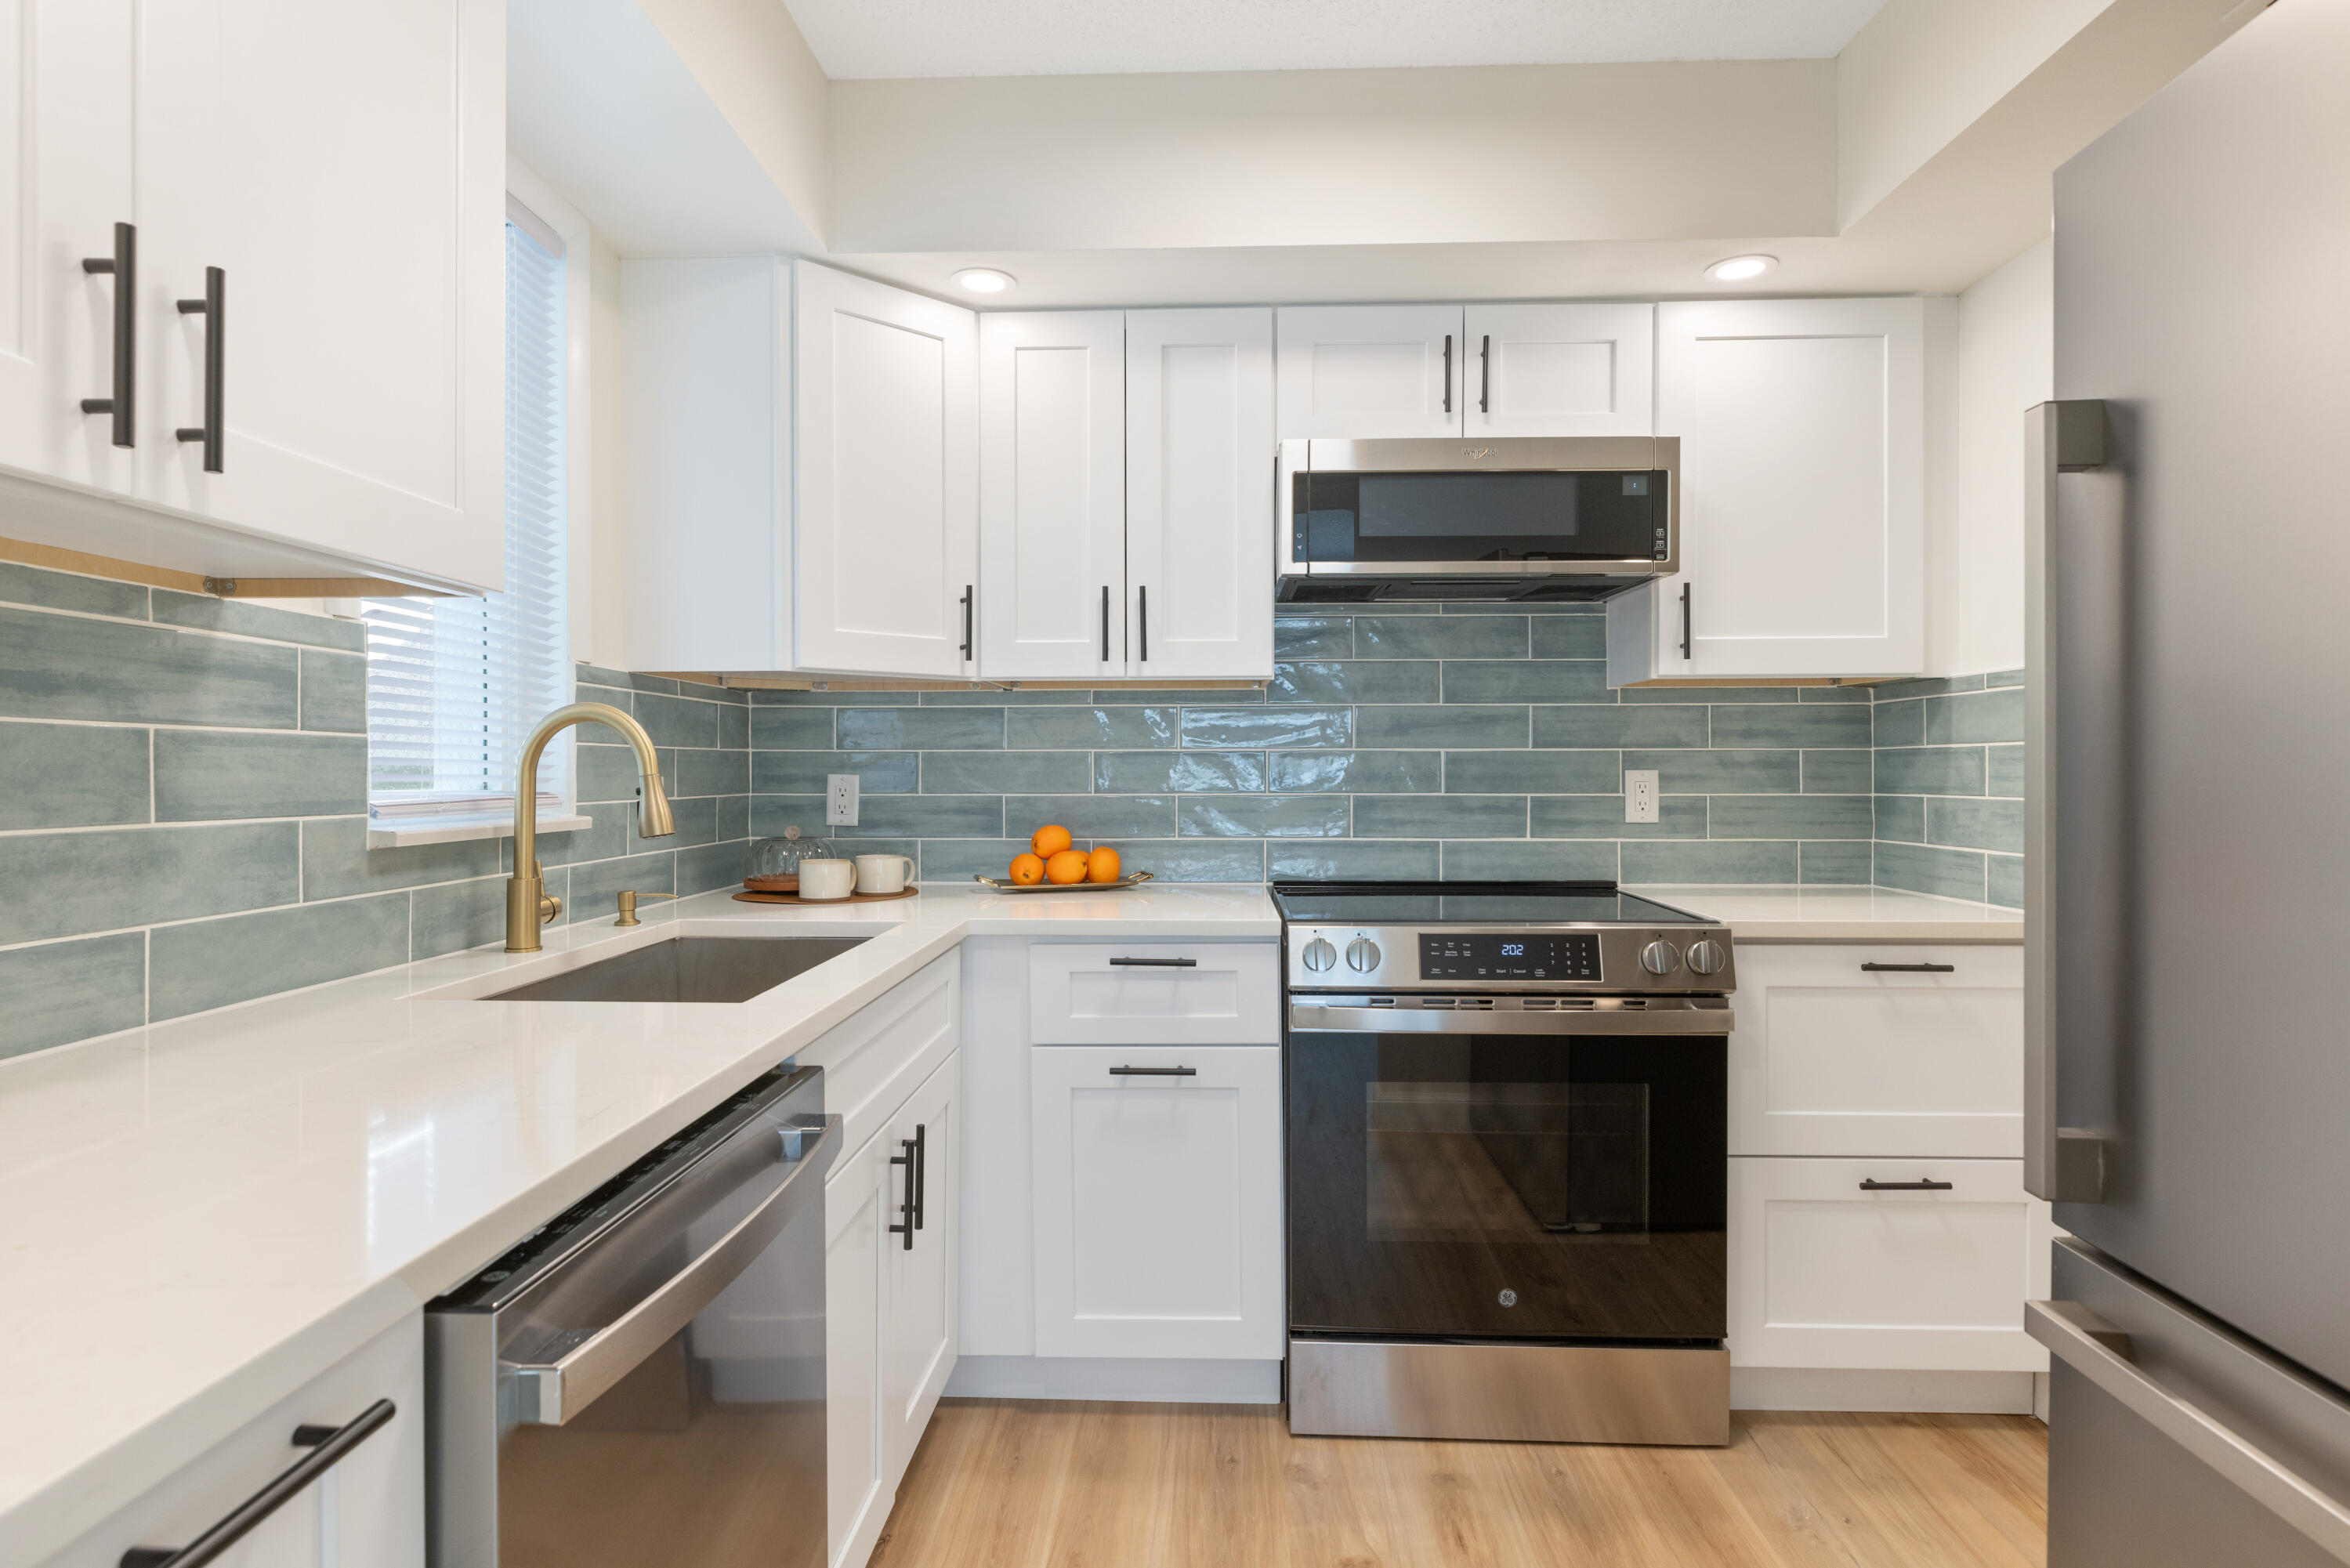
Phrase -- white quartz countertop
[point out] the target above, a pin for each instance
(1827, 914)
(197, 1217)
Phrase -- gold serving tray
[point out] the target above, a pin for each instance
(1131, 880)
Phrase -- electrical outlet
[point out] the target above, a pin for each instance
(840, 800)
(1640, 794)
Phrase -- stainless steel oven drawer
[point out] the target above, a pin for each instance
(1510, 1393)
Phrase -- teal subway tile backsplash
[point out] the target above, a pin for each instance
(182, 809)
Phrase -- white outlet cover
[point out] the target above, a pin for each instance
(1640, 794)
(840, 800)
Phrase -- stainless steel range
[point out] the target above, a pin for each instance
(1507, 1162)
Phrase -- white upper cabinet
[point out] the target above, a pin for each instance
(1559, 370)
(1200, 454)
(1370, 372)
(886, 473)
(343, 168)
(1802, 432)
(65, 180)
(1052, 495)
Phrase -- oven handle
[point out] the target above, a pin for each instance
(1683, 1019)
(553, 1392)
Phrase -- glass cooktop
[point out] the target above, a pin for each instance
(1472, 903)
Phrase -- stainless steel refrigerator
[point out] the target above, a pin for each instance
(2189, 817)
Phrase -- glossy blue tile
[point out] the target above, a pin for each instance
(595, 894)
(1964, 824)
(948, 861)
(1432, 636)
(2003, 876)
(1570, 636)
(62, 992)
(677, 720)
(2006, 770)
(1560, 859)
(1356, 680)
(1263, 817)
(2004, 678)
(1848, 865)
(708, 866)
(1533, 772)
(1839, 771)
(886, 816)
(1798, 724)
(1594, 727)
(1089, 728)
(1192, 859)
(1313, 637)
(1721, 773)
(986, 699)
(208, 613)
(71, 775)
(64, 884)
(834, 699)
(1089, 816)
(1924, 868)
(1714, 696)
(607, 837)
(1927, 686)
(1602, 816)
(336, 862)
(69, 667)
(1982, 716)
(1260, 728)
(1861, 694)
(1360, 773)
(1715, 861)
(456, 916)
(1526, 681)
(792, 729)
(1172, 773)
(205, 776)
(1006, 772)
(1899, 724)
(734, 726)
(1174, 696)
(805, 772)
(606, 773)
(1930, 770)
(1902, 818)
(1440, 816)
(922, 728)
(212, 963)
(1448, 725)
(1789, 816)
(700, 772)
(694, 821)
(1329, 859)
(62, 591)
(333, 692)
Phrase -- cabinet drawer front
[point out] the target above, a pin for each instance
(881, 1055)
(1833, 1058)
(1826, 1272)
(1158, 1201)
(1220, 993)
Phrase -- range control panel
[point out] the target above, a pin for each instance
(1479, 955)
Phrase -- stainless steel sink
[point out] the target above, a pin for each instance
(687, 969)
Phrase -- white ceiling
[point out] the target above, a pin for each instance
(869, 38)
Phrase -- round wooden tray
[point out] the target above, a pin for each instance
(789, 882)
(796, 898)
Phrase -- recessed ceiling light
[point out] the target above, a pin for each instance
(1738, 269)
(984, 279)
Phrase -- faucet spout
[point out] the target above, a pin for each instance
(527, 905)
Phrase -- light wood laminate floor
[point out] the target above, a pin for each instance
(1018, 1484)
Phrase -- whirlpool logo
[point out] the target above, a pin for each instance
(1475, 451)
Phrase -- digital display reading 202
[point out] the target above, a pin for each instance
(1471, 956)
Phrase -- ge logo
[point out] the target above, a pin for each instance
(1508, 1298)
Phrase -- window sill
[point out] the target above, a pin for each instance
(463, 829)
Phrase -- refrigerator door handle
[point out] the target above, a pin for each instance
(2101, 1353)
(2062, 1164)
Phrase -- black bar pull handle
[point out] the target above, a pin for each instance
(1156, 963)
(966, 622)
(1105, 623)
(1154, 1072)
(1685, 620)
(906, 1209)
(1909, 968)
(1485, 374)
(1871, 1184)
(124, 266)
(214, 308)
(1142, 617)
(922, 1172)
(1447, 372)
(328, 1445)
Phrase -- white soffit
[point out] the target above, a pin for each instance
(883, 38)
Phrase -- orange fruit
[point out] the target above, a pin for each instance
(1050, 841)
(1068, 866)
(1027, 871)
(1101, 865)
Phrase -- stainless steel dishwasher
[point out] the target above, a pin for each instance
(641, 1379)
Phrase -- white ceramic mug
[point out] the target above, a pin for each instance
(882, 873)
(828, 878)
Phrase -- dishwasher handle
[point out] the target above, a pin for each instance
(551, 1393)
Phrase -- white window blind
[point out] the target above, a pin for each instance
(454, 685)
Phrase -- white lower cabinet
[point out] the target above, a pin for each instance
(1826, 1272)
(892, 1249)
(367, 1511)
(1156, 1175)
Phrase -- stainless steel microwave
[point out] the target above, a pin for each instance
(1525, 518)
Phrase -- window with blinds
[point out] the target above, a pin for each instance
(454, 685)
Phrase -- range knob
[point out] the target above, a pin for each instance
(1362, 955)
(1708, 957)
(1660, 956)
(1320, 955)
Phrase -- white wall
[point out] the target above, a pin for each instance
(2006, 363)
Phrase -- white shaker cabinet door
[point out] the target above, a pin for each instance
(885, 469)
(1200, 478)
(1051, 494)
(920, 1316)
(1802, 515)
(1368, 372)
(344, 168)
(1878, 1051)
(1560, 369)
(1913, 1264)
(1158, 1194)
(65, 181)
(860, 1197)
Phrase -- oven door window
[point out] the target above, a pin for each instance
(1507, 1186)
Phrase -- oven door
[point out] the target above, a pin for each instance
(1458, 1176)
